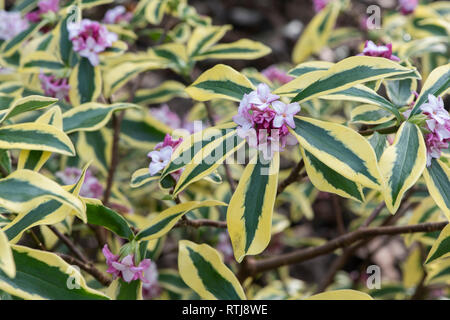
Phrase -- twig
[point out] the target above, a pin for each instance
(88, 267)
(197, 223)
(36, 239)
(387, 130)
(339, 214)
(69, 244)
(339, 242)
(292, 177)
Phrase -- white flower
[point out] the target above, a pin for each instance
(160, 158)
(285, 113)
(262, 98)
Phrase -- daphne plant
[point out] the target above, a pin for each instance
(119, 135)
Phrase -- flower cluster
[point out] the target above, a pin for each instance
(44, 7)
(276, 75)
(91, 187)
(55, 87)
(264, 120)
(117, 15)
(89, 38)
(320, 4)
(372, 50)
(126, 268)
(11, 24)
(408, 6)
(438, 124)
(160, 156)
(151, 289)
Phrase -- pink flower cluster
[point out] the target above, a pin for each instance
(126, 267)
(160, 156)
(89, 38)
(54, 87)
(151, 289)
(11, 24)
(91, 187)
(320, 4)
(276, 75)
(408, 6)
(171, 119)
(44, 6)
(117, 15)
(438, 124)
(372, 50)
(264, 120)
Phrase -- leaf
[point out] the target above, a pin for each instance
(378, 143)
(26, 104)
(170, 55)
(293, 87)
(141, 177)
(102, 216)
(9, 47)
(190, 148)
(370, 114)
(363, 94)
(33, 186)
(348, 72)
(316, 33)
(164, 92)
(119, 75)
(340, 148)
(45, 212)
(96, 146)
(210, 157)
(328, 180)
(40, 61)
(35, 136)
(344, 294)
(401, 91)
(202, 38)
(439, 272)
(140, 130)
(437, 179)
(121, 290)
(154, 11)
(91, 116)
(221, 81)
(5, 160)
(85, 83)
(164, 221)
(202, 269)
(413, 268)
(7, 265)
(436, 84)
(44, 275)
(35, 159)
(243, 49)
(310, 66)
(170, 279)
(441, 247)
(249, 214)
(402, 164)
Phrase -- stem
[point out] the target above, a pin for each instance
(293, 176)
(69, 244)
(197, 223)
(340, 242)
(89, 268)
